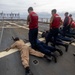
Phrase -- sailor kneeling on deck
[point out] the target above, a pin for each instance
(55, 23)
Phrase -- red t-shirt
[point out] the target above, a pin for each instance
(56, 21)
(34, 20)
(73, 24)
(67, 21)
(70, 20)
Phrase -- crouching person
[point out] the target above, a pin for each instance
(59, 40)
(49, 48)
(42, 47)
(25, 51)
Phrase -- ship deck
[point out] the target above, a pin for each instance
(10, 62)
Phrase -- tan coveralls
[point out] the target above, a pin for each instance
(25, 51)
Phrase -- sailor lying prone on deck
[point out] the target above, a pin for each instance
(25, 51)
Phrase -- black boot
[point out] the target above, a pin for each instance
(73, 54)
(72, 41)
(53, 45)
(54, 57)
(66, 46)
(28, 72)
(61, 53)
(43, 34)
(46, 43)
(47, 58)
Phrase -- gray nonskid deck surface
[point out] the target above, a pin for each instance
(11, 64)
(7, 36)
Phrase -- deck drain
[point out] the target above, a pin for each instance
(35, 62)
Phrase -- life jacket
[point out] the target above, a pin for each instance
(73, 24)
(56, 21)
(34, 20)
(70, 20)
(66, 21)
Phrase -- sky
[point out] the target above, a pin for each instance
(21, 6)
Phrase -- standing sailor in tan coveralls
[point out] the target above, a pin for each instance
(25, 51)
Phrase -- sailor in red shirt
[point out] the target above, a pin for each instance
(32, 21)
(71, 19)
(69, 23)
(66, 24)
(55, 23)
